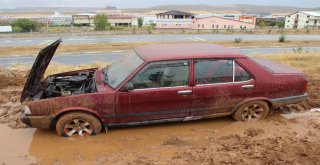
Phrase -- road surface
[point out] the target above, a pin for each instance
(148, 38)
(87, 58)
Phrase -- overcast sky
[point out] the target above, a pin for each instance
(148, 3)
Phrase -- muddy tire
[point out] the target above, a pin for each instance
(253, 110)
(78, 124)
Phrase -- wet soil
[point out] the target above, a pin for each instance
(276, 140)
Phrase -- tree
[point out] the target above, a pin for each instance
(262, 23)
(281, 24)
(26, 25)
(140, 22)
(100, 22)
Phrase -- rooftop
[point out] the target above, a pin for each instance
(312, 13)
(184, 51)
(175, 12)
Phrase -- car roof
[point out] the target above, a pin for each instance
(185, 51)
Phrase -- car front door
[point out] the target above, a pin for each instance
(160, 91)
(219, 85)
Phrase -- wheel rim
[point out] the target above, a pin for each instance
(252, 112)
(78, 126)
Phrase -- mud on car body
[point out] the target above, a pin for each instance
(156, 84)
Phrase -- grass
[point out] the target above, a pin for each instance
(109, 47)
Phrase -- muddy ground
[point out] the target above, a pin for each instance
(276, 140)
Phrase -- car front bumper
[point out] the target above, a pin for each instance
(288, 100)
(38, 121)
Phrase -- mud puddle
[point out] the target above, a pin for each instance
(275, 140)
(15, 144)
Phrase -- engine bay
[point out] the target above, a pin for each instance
(67, 85)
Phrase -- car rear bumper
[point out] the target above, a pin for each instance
(38, 121)
(288, 100)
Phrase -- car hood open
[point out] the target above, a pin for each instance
(37, 71)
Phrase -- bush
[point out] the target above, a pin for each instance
(269, 31)
(26, 25)
(17, 29)
(140, 22)
(307, 31)
(100, 22)
(149, 29)
(238, 40)
(297, 50)
(282, 38)
(215, 31)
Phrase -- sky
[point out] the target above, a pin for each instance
(149, 3)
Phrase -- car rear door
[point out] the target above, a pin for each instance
(161, 91)
(219, 85)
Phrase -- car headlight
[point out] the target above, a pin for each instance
(26, 110)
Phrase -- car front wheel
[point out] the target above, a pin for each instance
(254, 110)
(78, 123)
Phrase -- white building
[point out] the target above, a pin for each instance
(5, 29)
(147, 19)
(59, 20)
(303, 19)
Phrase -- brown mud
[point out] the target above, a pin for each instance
(276, 140)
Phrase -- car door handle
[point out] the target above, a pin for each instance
(246, 87)
(186, 92)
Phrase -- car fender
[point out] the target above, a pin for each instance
(80, 109)
(250, 99)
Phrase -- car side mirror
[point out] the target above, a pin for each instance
(127, 87)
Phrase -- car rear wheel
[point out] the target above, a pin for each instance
(78, 124)
(254, 110)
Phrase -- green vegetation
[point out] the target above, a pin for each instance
(280, 24)
(17, 29)
(100, 22)
(262, 24)
(140, 22)
(25, 25)
(215, 31)
(238, 40)
(149, 30)
(282, 38)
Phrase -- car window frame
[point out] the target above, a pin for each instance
(234, 61)
(144, 67)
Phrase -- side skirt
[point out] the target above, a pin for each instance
(189, 118)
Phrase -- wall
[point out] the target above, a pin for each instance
(220, 23)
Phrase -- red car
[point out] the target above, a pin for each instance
(156, 84)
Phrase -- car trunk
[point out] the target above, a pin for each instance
(276, 68)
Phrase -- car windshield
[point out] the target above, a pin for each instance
(119, 70)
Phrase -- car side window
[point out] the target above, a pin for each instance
(210, 71)
(162, 74)
(213, 71)
(240, 74)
